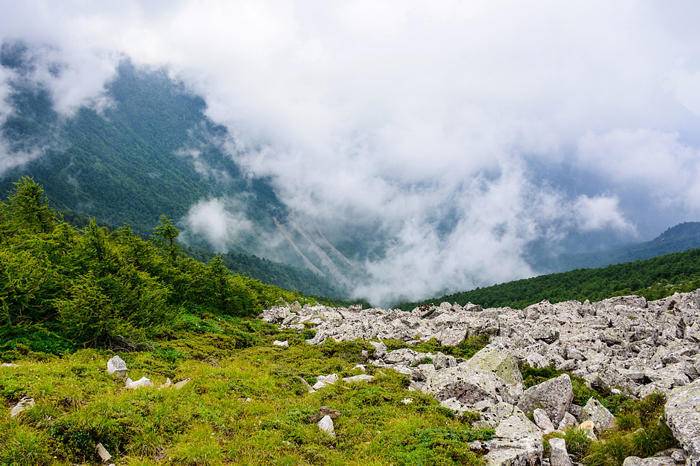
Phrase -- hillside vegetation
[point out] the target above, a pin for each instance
(63, 287)
(70, 297)
(652, 278)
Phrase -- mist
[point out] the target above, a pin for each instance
(445, 127)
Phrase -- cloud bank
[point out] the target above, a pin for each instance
(460, 131)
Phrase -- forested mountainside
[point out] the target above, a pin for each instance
(151, 151)
(679, 238)
(651, 278)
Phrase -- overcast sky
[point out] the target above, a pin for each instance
(513, 120)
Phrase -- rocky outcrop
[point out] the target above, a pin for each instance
(623, 343)
(682, 413)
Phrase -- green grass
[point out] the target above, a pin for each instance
(466, 349)
(245, 404)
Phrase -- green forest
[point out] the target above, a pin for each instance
(62, 287)
(652, 278)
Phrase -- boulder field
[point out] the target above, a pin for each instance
(625, 345)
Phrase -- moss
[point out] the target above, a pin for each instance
(466, 349)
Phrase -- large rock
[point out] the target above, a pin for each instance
(598, 414)
(467, 385)
(499, 361)
(517, 442)
(558, 456)
(682, 412)
(554, 396)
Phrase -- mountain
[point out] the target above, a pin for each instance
(651, 278)
(153, 151)
(681, 237)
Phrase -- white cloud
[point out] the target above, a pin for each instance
(217, 222)
(600, 213)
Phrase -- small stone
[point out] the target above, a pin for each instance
(653, 461)
(597, 413)
(567, 421)
(589, 428)
(380, 348)
(358, 378)
(134, 384)
(8, 364)
(326, 425)
(407, 401)
(281, 344)
(360, 367)
(181, 383)
(116, 366)
(168, 383)
(558, 456)
(323, 380)
(23, 404)
(542, 420)
(103, 453)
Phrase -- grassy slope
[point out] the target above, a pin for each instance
(210, 421)
(652, 278)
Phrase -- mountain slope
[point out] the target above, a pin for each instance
(651, 278)
(681, 237)
(152, 151)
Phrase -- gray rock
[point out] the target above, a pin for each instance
(682, 413)
(134, 384)
(567, 421)
(23, 404)
(517, 441)
(558, 456)
(542, 420)
(326, 425)
(554, 396)
(653, 461)
(325, 380)
(281, 344)
(598, 414)
(499, 361)
(116, 366)
(467, 385)
(359, 378)
(103, 453)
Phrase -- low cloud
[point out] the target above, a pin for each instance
(457, 132)
(218, 221)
